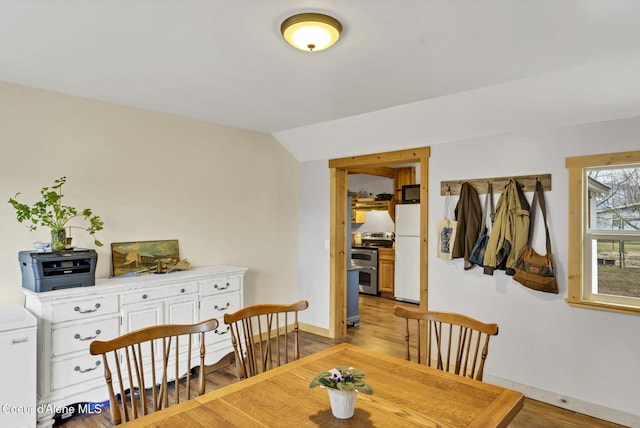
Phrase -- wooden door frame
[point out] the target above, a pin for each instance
(339, 169)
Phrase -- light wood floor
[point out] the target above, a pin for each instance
(381, 331)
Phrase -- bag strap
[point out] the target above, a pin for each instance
(488, 199)
(448, 209)
(538, 197)
(493, 208)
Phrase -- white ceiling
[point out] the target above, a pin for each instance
(224, 61)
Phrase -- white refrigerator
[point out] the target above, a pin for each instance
(407, 268)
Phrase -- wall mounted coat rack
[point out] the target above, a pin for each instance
(528, 183)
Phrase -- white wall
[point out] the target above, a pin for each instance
(229, 196)
(313, 241)
(579, 354)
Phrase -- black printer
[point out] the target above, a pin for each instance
(53, 270)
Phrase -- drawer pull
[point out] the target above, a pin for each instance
(221, 288)
(88, 311)
(144, 296)
(90, 369)
(182, 290)
(77, 336)
(220, 333)
(217, 308)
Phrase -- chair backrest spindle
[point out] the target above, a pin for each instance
(455, 343)
(265, 336)
(134, 366)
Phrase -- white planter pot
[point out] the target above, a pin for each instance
(343, 403)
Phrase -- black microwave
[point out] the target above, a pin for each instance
(411, 194)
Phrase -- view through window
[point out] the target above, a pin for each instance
(614, 230)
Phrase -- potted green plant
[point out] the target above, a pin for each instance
(50, 212)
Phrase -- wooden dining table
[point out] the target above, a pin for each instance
(406, 394)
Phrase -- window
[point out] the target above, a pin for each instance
(604, 231)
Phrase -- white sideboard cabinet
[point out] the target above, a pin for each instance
(70, 319)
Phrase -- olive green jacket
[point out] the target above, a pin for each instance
(510, 230)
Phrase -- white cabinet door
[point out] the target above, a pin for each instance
(182, 312)
(18, 350)
(141, 315)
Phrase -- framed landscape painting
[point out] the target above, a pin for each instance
(136, 258)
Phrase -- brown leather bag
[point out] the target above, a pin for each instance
(533, 270)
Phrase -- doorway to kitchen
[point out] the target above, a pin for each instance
(367, 164)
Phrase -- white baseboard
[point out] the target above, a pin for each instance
(569, 403)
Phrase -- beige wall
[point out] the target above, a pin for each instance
(230, 196)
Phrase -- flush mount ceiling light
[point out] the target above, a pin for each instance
(311, 31)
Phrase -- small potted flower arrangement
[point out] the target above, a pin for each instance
(343, 385)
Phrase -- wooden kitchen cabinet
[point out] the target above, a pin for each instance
(402, 176)
(357, 216)
(360, 206)
(386, 271)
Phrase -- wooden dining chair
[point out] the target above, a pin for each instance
(265, 336)
(454, 342)
(145, 361)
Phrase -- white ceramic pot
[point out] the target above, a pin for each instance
(343, 403)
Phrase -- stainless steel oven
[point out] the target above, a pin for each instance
(366, 259)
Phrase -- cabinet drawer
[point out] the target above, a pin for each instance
(152, 293)
(76, 370)
(83, 309)
(217, 306)
(220, 285)
(220, 334)
(78, 337)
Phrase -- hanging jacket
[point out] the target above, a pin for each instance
(469, 216)
(510, 230)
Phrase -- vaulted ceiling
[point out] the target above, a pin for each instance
(454, 67)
